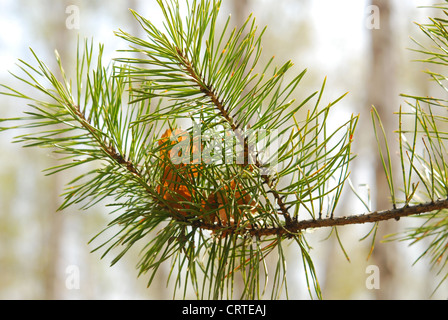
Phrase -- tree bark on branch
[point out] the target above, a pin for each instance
(371, 217)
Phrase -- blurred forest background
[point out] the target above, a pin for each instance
(40, 248)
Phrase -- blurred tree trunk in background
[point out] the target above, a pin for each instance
(241, 10)
(382, 93)
(56, 36)
(52, 255)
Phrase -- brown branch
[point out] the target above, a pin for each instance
(295, 227)
(372, 217)
(206, 90)
(110, 149)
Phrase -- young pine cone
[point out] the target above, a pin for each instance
(226, 206)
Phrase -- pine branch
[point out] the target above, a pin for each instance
(235, 126)
(371, 217)
(110, 150)
(296, 227)
(208, 91)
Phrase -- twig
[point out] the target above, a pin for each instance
(295, 227)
